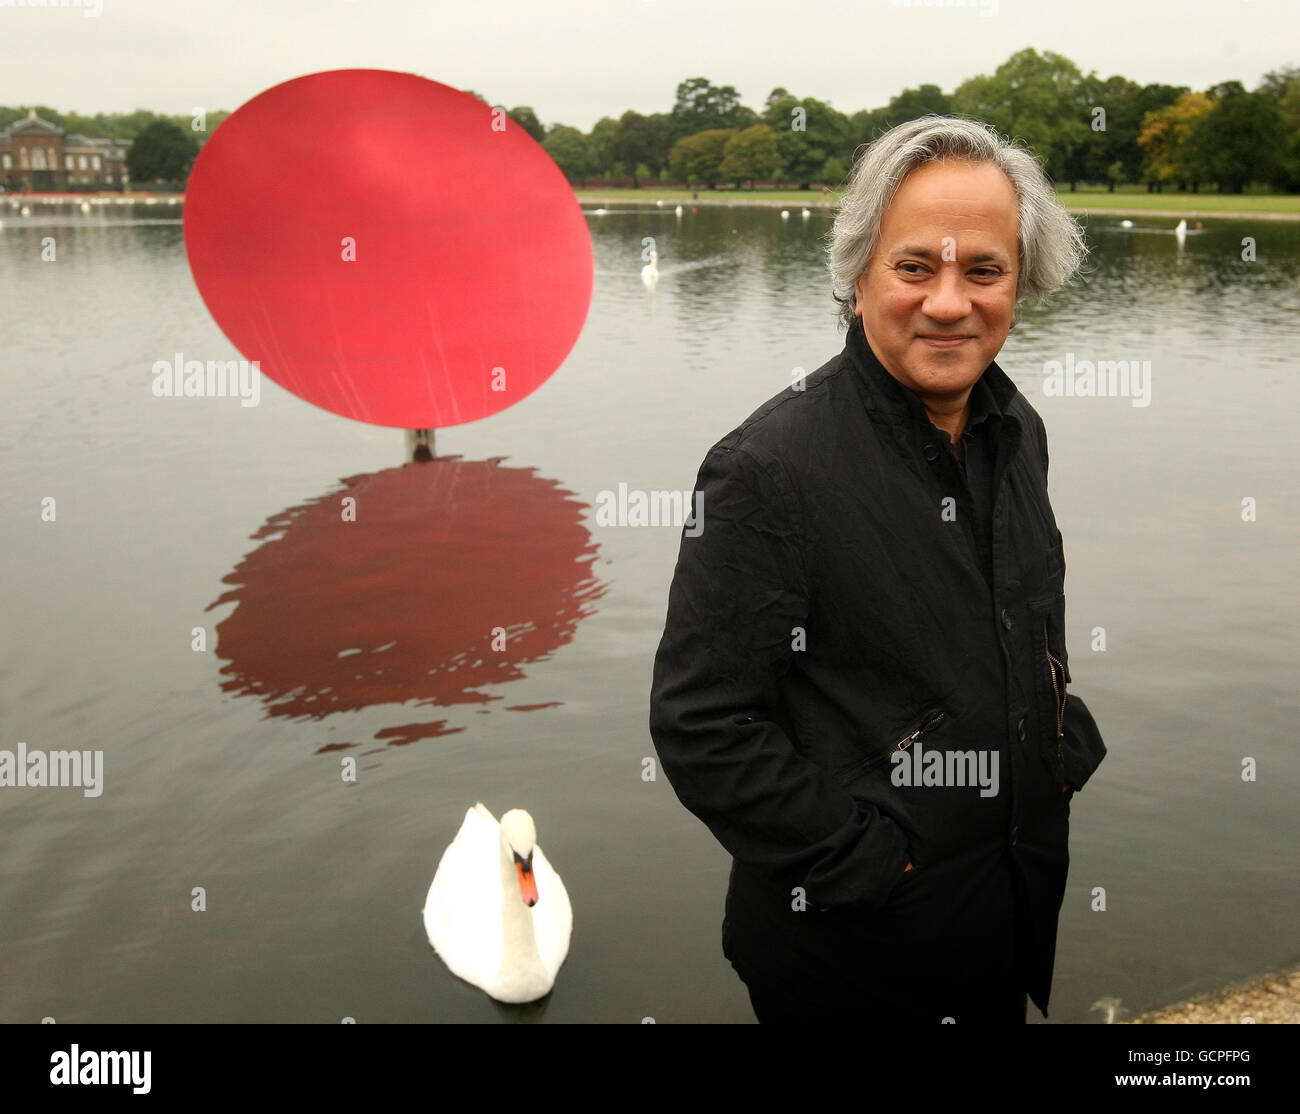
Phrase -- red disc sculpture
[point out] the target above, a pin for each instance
(388, 248)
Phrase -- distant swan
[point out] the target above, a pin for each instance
(497, 913)
(785, 214)
(1126, 224)
(650, 272)
(1180, 230)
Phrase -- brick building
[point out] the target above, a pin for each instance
(37, 155)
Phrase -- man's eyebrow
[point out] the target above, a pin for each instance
(928, 253)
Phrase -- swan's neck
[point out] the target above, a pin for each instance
(519, 943)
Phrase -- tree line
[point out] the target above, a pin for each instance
(1083, 128)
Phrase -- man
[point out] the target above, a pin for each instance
(861, 687)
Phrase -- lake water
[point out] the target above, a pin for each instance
(222, 767)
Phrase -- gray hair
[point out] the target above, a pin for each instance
(1052, 246)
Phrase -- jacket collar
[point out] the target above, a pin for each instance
(898, 405)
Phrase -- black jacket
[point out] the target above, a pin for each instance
(829, 613)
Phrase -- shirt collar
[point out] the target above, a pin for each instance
(989, 397)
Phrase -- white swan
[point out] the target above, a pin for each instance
(806, 214)
(85, 206)
(650, 272)
(785, 214)
(1126, 224)
(679, 210)
(1180, 230)
(497, 913)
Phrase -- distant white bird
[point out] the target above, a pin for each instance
(806, 214)
(660, 203)
(497, 913)
(1110, 1007)
(1126, 224)
(27, 210)
(785, 214)
(600, 212)
(650, 272)
(1180, 230)
(679, 210)
(85, 206)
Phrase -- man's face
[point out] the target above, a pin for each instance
(946, 266)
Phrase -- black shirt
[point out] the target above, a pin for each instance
(979, 448)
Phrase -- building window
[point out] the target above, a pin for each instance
(9, 162)
(38, 158)
(94, 162)
(81, 162)
(67, 162)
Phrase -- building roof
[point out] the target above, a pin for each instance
(32, 124)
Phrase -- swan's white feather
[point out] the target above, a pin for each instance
(463, 914)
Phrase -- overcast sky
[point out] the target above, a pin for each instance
(575, 62)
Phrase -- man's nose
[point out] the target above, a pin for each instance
(947, 299)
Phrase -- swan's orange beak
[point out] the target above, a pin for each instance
(527, 885)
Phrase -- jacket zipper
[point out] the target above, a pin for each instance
(1058, 702)
(931, 721)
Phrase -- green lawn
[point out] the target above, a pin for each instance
(1092, 197)
(1171, 199)
(679, 196)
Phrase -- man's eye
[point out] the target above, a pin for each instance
(919, 269)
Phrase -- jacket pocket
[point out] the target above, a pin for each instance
(1050, 680)
(928, 721)
(1057, 676)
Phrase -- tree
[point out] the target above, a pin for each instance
(703, 106)
(572, 152)
(526, 118)
(1164, 139)
(751, 154)
(1238, 141)
(1039, 98)
(1109, 155)
(834, 172)
(162, 152)
(865, 127)
(696, 158)
(808, 132)
(912, 104)
(641, 139)
(1288, 162)
(602, 136)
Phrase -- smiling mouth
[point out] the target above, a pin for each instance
(943, 341)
